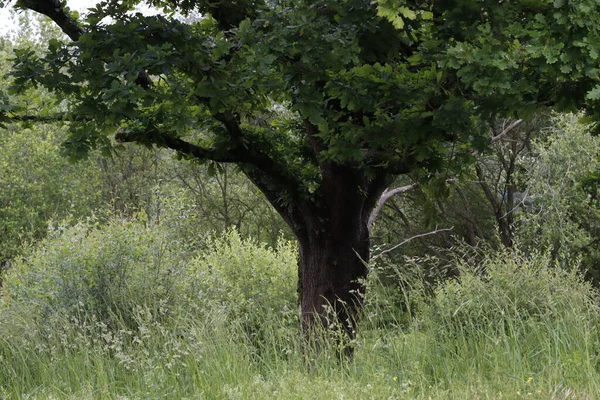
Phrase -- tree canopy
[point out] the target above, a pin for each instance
(381, 87)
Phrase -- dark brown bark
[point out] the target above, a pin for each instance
(332, 271)
(334, 250)
(53, 9)
(331, 226)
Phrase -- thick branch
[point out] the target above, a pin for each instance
(279, 175)
(53, 9)
(386, 195)
(231, 124)
(289, 210)
(183, 147)
(273, 179)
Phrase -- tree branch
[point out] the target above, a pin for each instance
(411, 238)
(422, 240)
(385, 196)
(183, 147)
(279, 175)
(57, 117)
(506, 130)
(399, 169)
(53, 9)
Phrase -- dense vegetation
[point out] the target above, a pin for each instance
(116, 311)
(321, 105)
(139, 274)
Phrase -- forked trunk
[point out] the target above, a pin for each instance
(331, 226)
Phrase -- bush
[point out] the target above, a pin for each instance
(114, 304)
(103, 271)
(107, 272)
(562, 214)
(511, 294)
(248, 284)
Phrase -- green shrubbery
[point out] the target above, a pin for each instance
(507, 287)
(246, 283)
(105, 271)
(115, 311)
(110, 270)
(563, 215)
(123, 295)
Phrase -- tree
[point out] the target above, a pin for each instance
(320, 103)
(560, 210)
(38, 184)
(225, 199)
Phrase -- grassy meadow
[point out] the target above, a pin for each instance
(124, 311)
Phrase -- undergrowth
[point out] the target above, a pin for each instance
(112, 313)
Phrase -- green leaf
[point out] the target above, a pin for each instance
(594, 94)
(408, 13)
(391, 15)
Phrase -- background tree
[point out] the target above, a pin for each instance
(41, 188)
(375, 91)
(38, 184)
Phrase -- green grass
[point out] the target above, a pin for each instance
(522, 329)
(193, 359)
(83, 361)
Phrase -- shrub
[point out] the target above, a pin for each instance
(562, 214)
(508, 294)
(250, 285)
(106, 271)
(114, 304)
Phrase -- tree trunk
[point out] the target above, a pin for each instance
(334, 250)
(332, 275)
(331, 226)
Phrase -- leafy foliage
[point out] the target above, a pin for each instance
(38, 185)
(108, 271)
(100, 271)
(562, 215)
(506, 287)
(230, 279)
(380, 95)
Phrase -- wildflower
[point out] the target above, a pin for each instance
(530, 379)
(395, 378)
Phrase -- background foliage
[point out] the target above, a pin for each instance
(140, 275)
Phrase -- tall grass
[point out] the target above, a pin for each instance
(513, 327)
